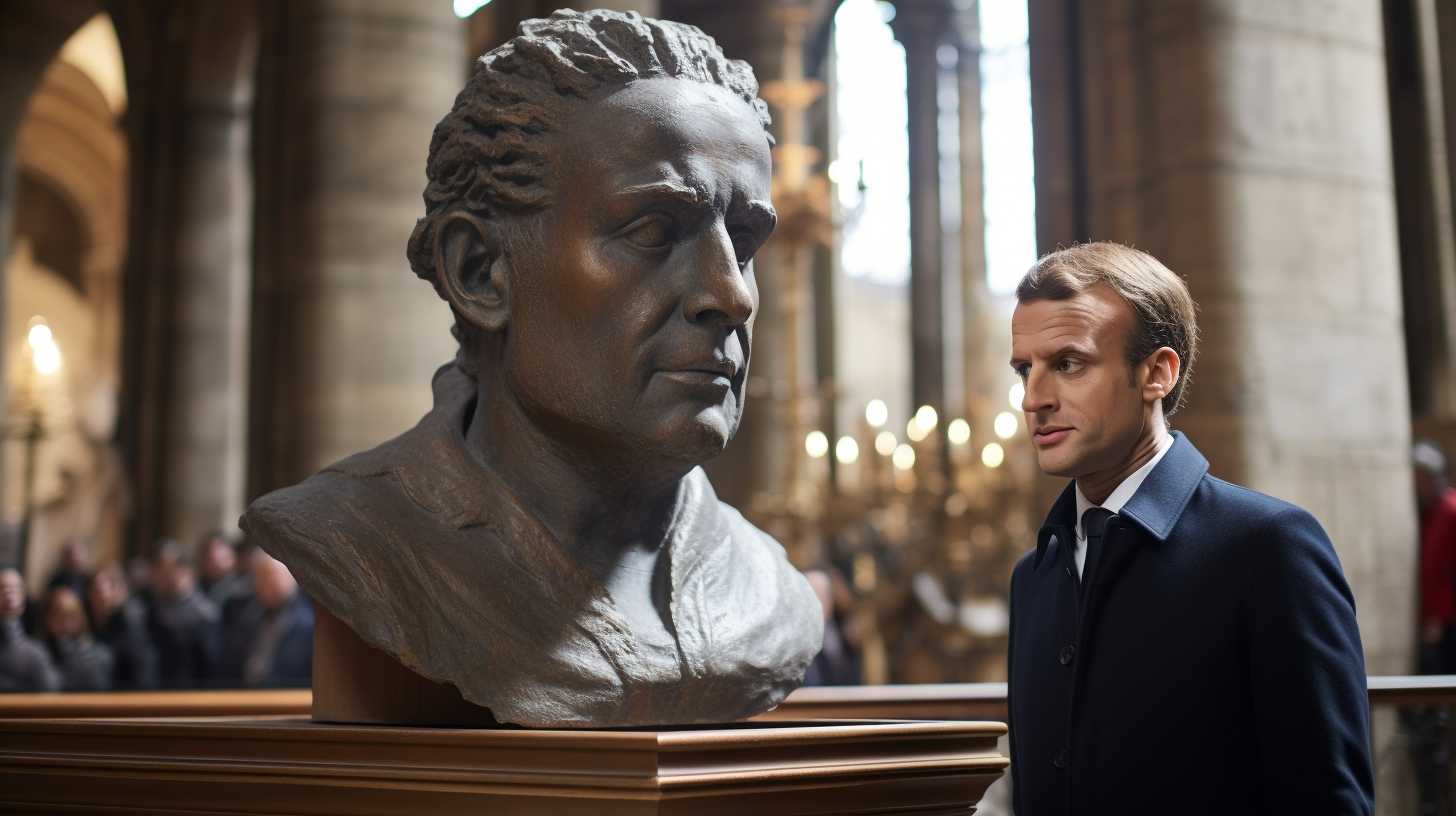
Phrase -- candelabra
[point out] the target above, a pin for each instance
(42, 362)
(927, 525)
(929, 522)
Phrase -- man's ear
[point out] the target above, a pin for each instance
(470, 268)
(1160, 373)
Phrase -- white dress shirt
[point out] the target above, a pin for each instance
(1118, 498)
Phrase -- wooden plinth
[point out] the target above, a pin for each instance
(294, 766)
(354, 682)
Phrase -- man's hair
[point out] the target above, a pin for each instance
(491, 154)
(1164, 312)
(1426, 456)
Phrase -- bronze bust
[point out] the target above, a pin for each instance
(544, 539)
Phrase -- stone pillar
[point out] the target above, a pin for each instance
(1422, 77)
(983, 337)
(921, 26)
(347, 335)
(204, 437)
(1248, 147)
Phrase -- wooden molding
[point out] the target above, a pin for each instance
(295, 766)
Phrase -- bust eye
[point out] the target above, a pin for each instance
(651, 232)
(743, 247)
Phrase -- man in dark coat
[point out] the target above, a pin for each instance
(121, 624)
(270, 643)
(185, 625)
(1179, 644)
(25, 665)
(84, 663)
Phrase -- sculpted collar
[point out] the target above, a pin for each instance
(429, 557)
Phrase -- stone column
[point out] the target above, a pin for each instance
(204, 436)
(348, 336)
(1420, 36)
(921, 26)
(982, 333)
(1247, 146)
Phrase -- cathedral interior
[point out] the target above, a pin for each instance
(204, 209)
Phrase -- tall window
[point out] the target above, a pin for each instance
(1010, 197)
(872, 149)
(871, 172)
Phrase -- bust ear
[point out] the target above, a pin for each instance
(470, 268)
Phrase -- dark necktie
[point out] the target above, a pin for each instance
(1094, 524)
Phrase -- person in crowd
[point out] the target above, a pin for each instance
(185, 624)
(1429, 727)
(270, 644)
(120, 622)
(837, 663)
(219, 577)
(24, 663)
(1436, 500)
(139, 578)
(84, 664)
(1178, 644)
(73, 571)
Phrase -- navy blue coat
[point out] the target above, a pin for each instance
(1209, 664)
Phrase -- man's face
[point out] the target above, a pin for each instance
(106, 593)
(64, 616)
(218, 559)
(12, 595)
(272, 582)
(1081, 403)
(632, 328)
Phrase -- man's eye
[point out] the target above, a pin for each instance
(651, 232)
(1069, 366)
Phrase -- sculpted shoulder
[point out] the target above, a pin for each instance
(340, 532)
(776, 624)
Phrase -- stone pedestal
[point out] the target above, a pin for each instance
(277, 766)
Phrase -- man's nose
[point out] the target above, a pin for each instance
(718, 290)
(1039, 395)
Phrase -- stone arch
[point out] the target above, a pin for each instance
(67, 200)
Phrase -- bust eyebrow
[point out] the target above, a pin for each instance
(691, 196)
(761, 211)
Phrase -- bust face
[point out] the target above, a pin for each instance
(631, 325)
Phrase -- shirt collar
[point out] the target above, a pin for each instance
(1124, 492)
(1156, 506)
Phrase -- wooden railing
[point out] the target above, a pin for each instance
(87, 705)
(940, 701)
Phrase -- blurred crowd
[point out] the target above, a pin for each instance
(220, 616)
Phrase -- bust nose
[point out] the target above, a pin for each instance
(718, 290)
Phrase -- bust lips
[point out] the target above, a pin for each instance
(717, 372)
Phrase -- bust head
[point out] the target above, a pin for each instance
(595, 200)
(543, 540)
